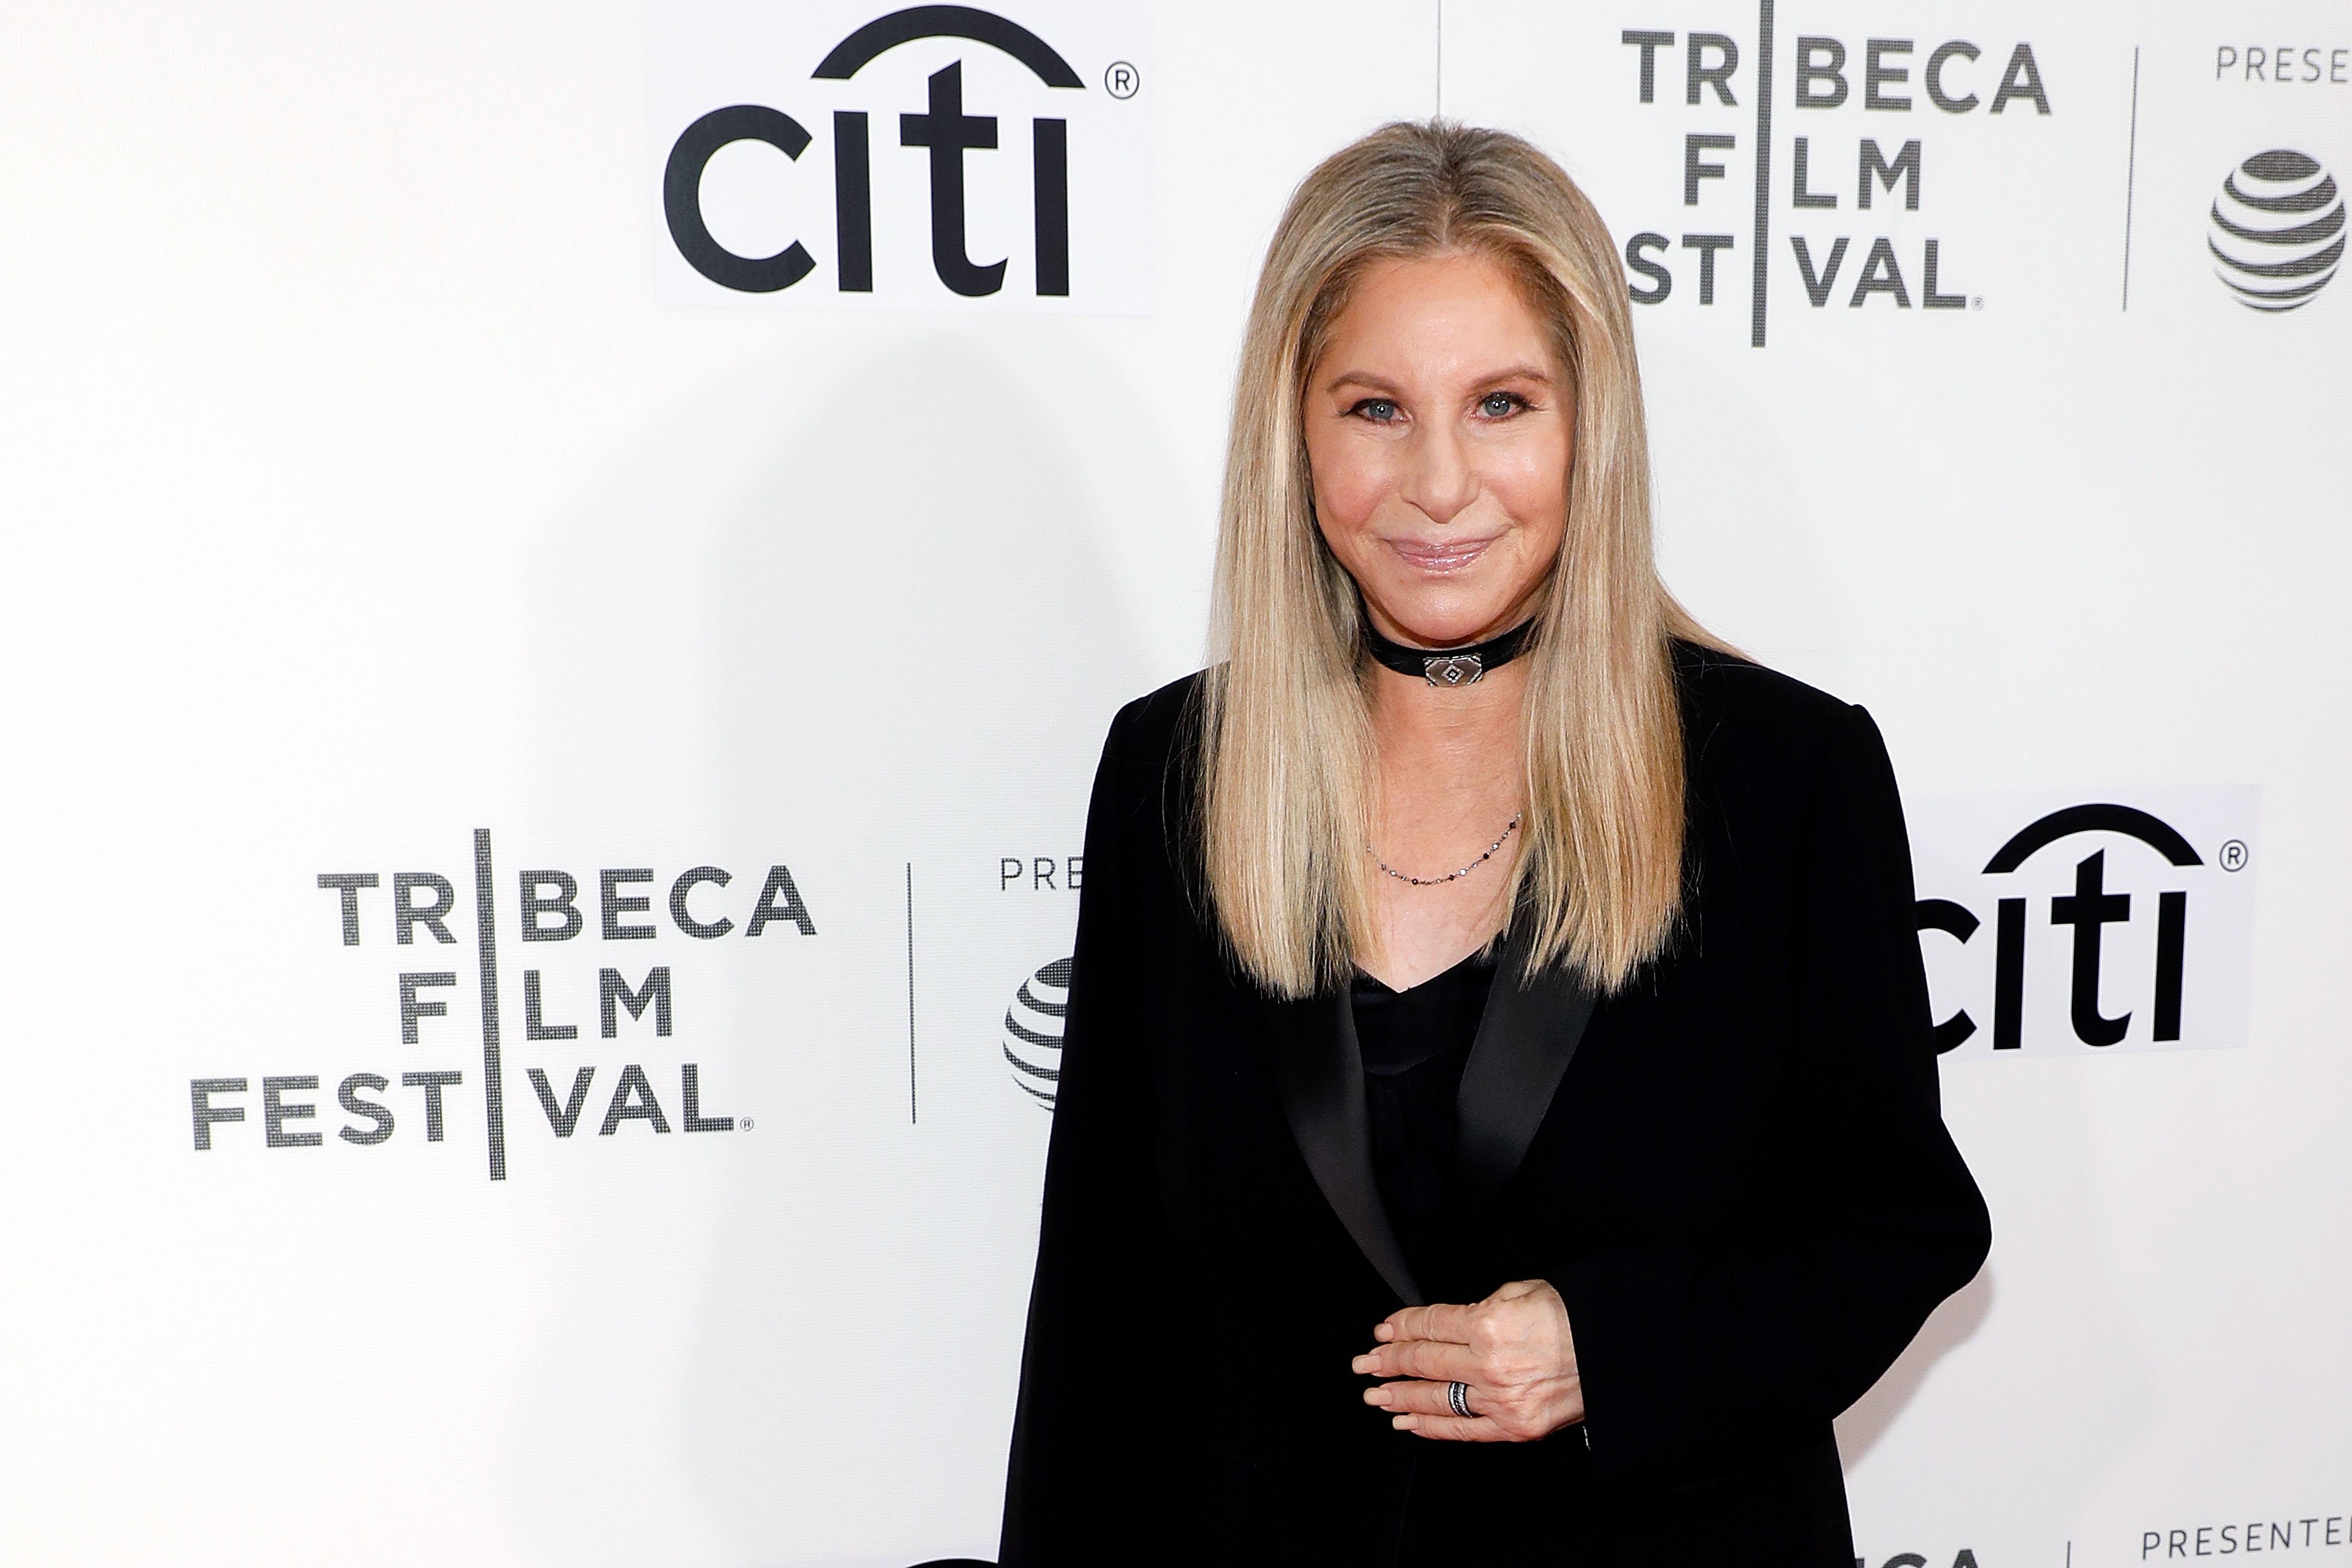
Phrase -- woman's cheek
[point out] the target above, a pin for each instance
(1363, 482)
(1538, 519)
(1346, 506)
(1526, 485)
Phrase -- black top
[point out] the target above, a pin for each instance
(1733, 1169)
(1414, 1044)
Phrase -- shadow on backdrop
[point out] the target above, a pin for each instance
(867, 626)
(952, 610)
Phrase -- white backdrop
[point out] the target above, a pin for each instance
(379, 475)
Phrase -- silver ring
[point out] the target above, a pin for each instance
(1457, 1395)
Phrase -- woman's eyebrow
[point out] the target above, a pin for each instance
(1518, 372)
(1382, 385)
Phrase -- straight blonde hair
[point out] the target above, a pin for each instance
(1286, 753)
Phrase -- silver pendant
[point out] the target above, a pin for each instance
(1454, 669)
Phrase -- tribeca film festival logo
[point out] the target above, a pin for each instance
(2069, 929)
(1723, 80)
(822, 155)
(407, 916)
(2277, 230)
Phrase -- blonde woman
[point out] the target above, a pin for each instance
(1498, 1118)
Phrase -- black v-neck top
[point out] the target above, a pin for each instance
(1689, 1187)
(1414, 1045)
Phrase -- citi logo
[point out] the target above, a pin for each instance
(2092, 926)
(929, 157)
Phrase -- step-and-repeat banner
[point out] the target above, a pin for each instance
(567, 565)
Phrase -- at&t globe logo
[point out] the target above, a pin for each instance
(1033, 1031)
(2277, 230)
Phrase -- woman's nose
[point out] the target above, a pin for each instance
(1439, 480)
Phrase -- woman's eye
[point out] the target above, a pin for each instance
(1499, 405)
(1379, 410)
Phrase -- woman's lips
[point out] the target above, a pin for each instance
(1443, 555)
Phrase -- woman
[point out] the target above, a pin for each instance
(1498, 1119)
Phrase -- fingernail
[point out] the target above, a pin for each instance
(1385, 1333)
(1361, 1363)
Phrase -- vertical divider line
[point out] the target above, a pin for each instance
(494, 1099)
(911, 994)
(2131, 174)
(1762, 260)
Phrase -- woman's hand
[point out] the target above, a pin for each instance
(1514, 1350)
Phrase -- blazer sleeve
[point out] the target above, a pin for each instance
(1086, 1434)
(1689, 1353)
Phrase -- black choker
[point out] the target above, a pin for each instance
(1452, 665)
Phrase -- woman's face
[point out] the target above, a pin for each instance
(1438, 429)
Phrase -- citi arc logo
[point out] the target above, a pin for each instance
(949, 157)
(2090, 926)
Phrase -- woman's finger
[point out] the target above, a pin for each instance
(1416, 1396)
(1422, 1358)
(1452, 1428)
(1443, 1322)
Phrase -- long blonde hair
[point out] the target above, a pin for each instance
(1285, 780)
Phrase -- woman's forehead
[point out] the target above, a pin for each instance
(1455, 314)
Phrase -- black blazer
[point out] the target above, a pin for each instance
(1735, 1171)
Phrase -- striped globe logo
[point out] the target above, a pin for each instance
(2277, 230)
(1033, 1031)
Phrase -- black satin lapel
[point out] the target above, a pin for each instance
(1319, 1070)
(1525, 1039)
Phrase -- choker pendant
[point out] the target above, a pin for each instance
(1454, 668)
(1447, 668)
